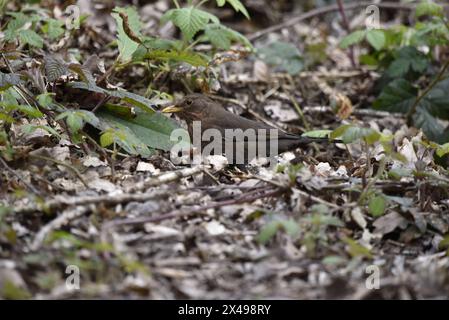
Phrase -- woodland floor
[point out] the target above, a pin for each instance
(149, 229)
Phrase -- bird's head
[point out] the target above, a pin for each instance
(191, 107)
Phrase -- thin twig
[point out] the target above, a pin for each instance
(325, 10)
(75, 171)
(348, 30)
(13, 172)
(185, 211)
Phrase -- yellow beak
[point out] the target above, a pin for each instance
(171, 109)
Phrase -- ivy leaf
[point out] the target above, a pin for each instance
(429, 8)
(221, 36)
(190, 20)
(31, 37)
(126, 45)
(352, 38)
(376, 38)
(283, 55)
(398, 96)
(236, 4)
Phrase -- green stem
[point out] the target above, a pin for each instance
(176, 4)
(438, 78)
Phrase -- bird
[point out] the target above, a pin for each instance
(210, 114)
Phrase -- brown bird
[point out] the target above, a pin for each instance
(211, 115)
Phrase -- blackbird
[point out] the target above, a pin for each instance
(211, 115)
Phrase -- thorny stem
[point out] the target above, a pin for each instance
(414, 107)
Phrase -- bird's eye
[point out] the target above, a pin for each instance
(189, 102)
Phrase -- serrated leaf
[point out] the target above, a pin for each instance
(352, 38)
(31, 37)
(126, 45)
(221, 37)
(236, 4)
(184, 56)
(376, 38)
(430, 8)
(54, 28)
(190, 20)
(429, 124)
(398, 96)
(408, 58)
(55, 67)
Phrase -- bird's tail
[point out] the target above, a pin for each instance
(304, 140)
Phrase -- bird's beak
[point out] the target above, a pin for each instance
(171, 109)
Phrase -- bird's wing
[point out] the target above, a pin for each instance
(224, 119)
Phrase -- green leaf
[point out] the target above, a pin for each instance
(31, 37)
(77, 118)
(376, 38)
(317, 134)
(357, 250)
(429, 124)
(352, 38)
(236, 4)
(30, 128)
(271, 228)
(221, 37)
(285, 56)
(377, 206)
(150, 130)
(135, 99)
(349, 133)
(429, 8)
(408, 59)
(107, 138)
(190, 20)
(185, 56)
(126, 45)
(398, 96)
(54, 28)
(30, 111)
(442, 150)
